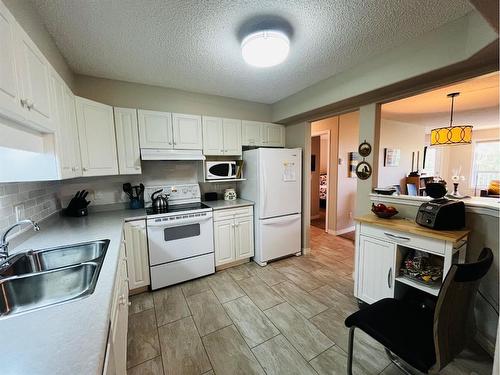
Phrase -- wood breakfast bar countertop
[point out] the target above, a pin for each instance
(409, 226)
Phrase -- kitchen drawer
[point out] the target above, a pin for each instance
(410, 240)
(231, 213)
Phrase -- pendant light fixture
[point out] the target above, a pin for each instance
(452, 135)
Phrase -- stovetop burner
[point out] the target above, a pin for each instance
(176, 208)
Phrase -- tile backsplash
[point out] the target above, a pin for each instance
(36, 201)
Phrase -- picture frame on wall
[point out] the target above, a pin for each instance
(392, 156)
(354, 159)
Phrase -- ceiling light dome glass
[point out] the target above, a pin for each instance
(265, 48)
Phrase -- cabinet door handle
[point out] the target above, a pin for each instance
(390, 235)
(137, 167)
(169, 143)
(84, 169)
(24, 102)
(389, 277)
(30, 104)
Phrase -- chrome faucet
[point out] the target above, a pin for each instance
(4, 244)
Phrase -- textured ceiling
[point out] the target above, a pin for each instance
(193, 45)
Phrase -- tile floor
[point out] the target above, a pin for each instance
(286, 318)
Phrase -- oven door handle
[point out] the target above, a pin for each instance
(177, 222)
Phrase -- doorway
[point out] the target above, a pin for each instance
(320, 172)
(334, 144)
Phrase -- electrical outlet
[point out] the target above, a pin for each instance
(19, 211)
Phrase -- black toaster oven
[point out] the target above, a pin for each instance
(442, 214)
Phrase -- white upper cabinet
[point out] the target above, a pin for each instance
(73, 143)
(96, 132)
(33, 72)
(25, 94)
(155, 129)
(187, 132)
(273, 135)
(251, 133)
(213, 136)
(232, 136)
(67, 146)
(10, 104)
(221, 136)
(127, 141)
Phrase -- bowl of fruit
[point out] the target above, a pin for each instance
(383, 211)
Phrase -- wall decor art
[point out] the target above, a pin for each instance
(365, 149)
(392, 157)
(363, 170)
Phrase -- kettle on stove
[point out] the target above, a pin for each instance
(159, 200)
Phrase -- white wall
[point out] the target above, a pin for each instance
(134, 95)
(407, 138)
(299, 135)
(346, 186)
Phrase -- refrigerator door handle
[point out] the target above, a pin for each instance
(264, 184)
(284, 220)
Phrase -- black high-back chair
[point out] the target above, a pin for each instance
(425, 340)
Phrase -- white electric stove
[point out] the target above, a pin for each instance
(180, 238)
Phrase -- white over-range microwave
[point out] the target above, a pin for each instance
(218, 170)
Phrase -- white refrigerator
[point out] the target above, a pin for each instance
(274, 183)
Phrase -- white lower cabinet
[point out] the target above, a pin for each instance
(244, 246)
(136, 243)
(115, 362)
(375, 269)
(233, 236)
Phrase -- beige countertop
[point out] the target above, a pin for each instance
(408, 226)
(222, 204)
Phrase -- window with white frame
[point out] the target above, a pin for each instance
(486, 166)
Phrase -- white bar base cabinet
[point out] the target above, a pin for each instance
(381, 248)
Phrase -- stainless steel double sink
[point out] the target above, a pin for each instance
(39, 278)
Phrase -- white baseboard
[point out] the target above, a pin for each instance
(345, 230)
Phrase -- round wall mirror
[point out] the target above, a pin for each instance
(363, 170)
(365, 149)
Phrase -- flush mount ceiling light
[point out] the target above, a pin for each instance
(452, 134)
(265, 48)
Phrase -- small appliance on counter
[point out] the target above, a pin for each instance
(230, 194)
(135, 194)
(77, 206)
(441, 213)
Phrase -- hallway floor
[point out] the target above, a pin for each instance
(286, 318)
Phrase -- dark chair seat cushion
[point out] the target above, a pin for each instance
(403, 328)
